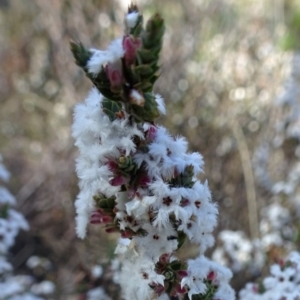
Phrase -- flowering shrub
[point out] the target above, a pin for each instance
(283, 283)
(136, 179)
(240, 253)
(14, 287)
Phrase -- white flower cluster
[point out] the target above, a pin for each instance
(201, 269)
(290, 99)
(239, 252)
(155, 206)
(101, 140)
(286, 130)
(284, 282)
(11, 222)
(236, 251)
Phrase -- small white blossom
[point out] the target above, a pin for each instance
(131, 19)
(114, 52)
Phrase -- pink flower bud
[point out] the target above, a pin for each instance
(211, 275)
(118, 180)
(130, 45)
(144, 180)
(106, 219)
(158, 288)
(96, 217)
(255, 288)
(95, 221)
(115, 76)
(113, 166)
(279, 261)
(180, 290)
(111, 229)
(126, 234)
(151, 133)
(182, 273)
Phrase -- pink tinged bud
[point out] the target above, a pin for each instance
(182, 273)
(144, 180)
(180, 290)
(130, 45)
(115, 76)
(151, 133)
(126, 234)
(159, 289)
(211, 275)
(255, 288)
(107, 219)
(113, 166)
(117, 181)
(96, 217)
(95, 221)
(280, 261)
(111, 229)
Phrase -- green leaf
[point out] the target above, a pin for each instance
(145, 86)
(127, 165)
(146, 55)
(143, 70)
(148, 112)
(81, 54)
(184, 179)
(111, 108)
(181, 238)
(176, 265)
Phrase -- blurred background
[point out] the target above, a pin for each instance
(231, 82)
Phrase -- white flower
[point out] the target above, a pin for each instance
(137, 209)
(114, 52)
(131, 19)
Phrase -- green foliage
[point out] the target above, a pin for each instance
(184, 179)
(105, 203)
(100, 80)
(148, 112)
(140, 75)
(126, 165)
(181, 239)
(81, 54)
(112, 109)
(148, 55)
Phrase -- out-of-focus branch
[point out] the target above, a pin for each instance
(248, 176)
